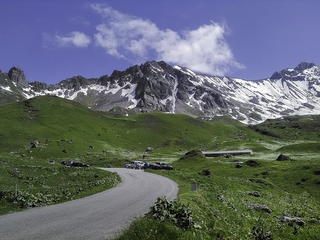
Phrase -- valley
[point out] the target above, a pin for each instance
(222, 207)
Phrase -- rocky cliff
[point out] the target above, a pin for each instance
(157, 86)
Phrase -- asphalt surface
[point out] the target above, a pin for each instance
(100, 216)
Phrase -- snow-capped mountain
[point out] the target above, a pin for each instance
(157, 86)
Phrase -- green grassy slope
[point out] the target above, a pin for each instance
(68, 131)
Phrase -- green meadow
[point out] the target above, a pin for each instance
(241, 197)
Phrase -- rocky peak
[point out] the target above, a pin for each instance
(303, 66)
(16, 75)
(292, 74)
(76, 83)
(131, 74)
(38, 86)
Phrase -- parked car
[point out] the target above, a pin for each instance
(154, 166)
(165, 166)
(74, 164)
(128, 165)
(136, 164)
(159, 165)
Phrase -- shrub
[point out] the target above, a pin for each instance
(172, 211)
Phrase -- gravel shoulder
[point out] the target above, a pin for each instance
(100, 216)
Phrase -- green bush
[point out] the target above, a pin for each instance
(172, 211)
(26, 199)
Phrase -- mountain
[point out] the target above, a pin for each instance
(158, 86)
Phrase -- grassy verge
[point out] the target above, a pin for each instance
(278, 199)
(26, 184)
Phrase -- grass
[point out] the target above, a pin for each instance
(34, 185)
(66, 130)
(220, 204)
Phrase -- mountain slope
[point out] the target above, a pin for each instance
(157, 86)
(65, 130)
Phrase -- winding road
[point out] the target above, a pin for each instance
(100, 216)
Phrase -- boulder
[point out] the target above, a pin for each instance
(206, 172)
(259, 207)
(254, 193)
(283, 157)
(35, 144)
(149, 149)
(252, 163)
(238, 165)
(291, 220)
(317, 172)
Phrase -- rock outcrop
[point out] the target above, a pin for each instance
(17, 76)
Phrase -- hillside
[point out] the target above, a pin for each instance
(66, 129)
(38, 133)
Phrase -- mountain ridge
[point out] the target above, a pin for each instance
(158, 86)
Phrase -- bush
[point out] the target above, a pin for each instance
(25, 199)
(172, 211)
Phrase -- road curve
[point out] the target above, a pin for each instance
(100, 216)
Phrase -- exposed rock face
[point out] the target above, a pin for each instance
(155, 91)
(38, 86)
(75, 83)
(9, 91)
(303, 66)
(17, 75)
(293, 74)
(157, 86)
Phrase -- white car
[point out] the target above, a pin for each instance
(136, 164)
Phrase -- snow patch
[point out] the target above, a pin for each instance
(7, 89)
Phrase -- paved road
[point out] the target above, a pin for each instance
(100, 216)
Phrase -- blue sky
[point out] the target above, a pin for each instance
(248, 39)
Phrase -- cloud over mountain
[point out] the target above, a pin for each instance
(203, 49)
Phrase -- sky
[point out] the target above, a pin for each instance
(248, 39)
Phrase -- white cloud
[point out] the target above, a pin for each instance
(78, 39)
(203, 49)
